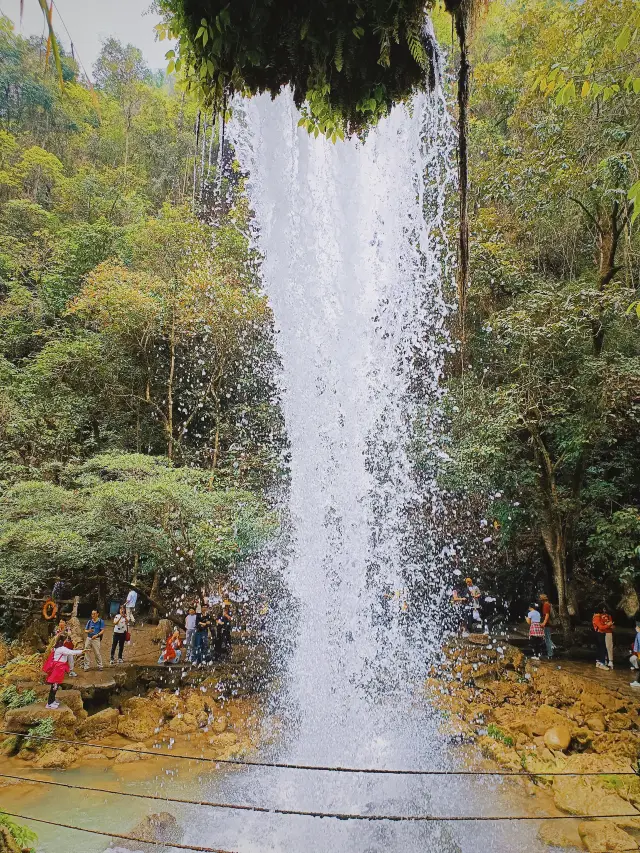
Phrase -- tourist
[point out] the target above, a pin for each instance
(536, 631)
(201, 636)
(223, 624)
(547, 613)
(603, 626)
(64, 631)
(130, 604)
(635, 656)
(172, 651)
(94, 629)
(56, 667)
(120, 631)
(474, 595)
(190, 625)
(460, 601)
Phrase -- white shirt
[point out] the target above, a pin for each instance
(119, 624)
(190, 621)
(132, 598)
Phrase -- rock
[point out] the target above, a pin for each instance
(56, 757)
(22, 719)
(7, 842)
(5, 653)
(219, 725)
(580, 797)
(620, 745)
(560, 833)
(557, 738)
(77, 631)
(129, 755)
(140, 719)
(161, 827)
(184, 724)
(100, 725)
(71, 698)
(162, 631)
(23, 669)
(603, 836)
(196, 702)
(620, 722)
(595, 722)
(169, 704)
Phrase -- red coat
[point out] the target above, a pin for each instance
(56, 669)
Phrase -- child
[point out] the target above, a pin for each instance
(63, 630)
(190, 623)
(56, 667)
(536, 631)
(172, 651)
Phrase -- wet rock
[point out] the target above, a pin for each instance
(22, 719)
(169, 704)
(219, 725)
(596, 723)
(196, 702)
(560, 833)
(56, 757)
(580, 796)
(183, 724)
(100, 725)
(621, 745)
(21, 670)
(161, 827)
(557, 738)
(130, 754)
(603, 836)
(620, 722)
(140, 719)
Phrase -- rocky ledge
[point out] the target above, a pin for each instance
(539, 719)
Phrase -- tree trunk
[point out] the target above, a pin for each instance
(155, 590)
(555, 546)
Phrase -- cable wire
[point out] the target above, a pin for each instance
(275, 810)
(527, 774)
(118, 835)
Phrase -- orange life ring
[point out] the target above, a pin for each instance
(49, 609)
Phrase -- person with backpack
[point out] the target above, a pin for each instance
(546, 611)
(603, 626)
(94, 629)
(536, 632)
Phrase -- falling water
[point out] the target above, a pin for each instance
(355, 259)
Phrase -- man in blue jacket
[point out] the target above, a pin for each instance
(94, 629)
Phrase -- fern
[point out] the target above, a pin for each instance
(416, 48)
(24, 837)
(337, 56)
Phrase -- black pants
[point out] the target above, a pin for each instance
(537, 645)
(52, 694)
(118, 640)
(601, 647)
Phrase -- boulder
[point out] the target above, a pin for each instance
(140, 720)
(71, 698)
(169, 704)
(603, 836)
(197, 701)
(100, 725)
(163, 828)
(219, 725)
(557, 738)
(130, 754)
(621, 722)
(560, 833)
(56, 757)
(23, 670)
(596, 723)
(183, 724)
(580, 797)
(624, 746)
(22, 719)
(162, 631)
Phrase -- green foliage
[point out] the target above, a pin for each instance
(24, 837)
(349, 60)
(497, 734)
(44, 728)
(13, 698)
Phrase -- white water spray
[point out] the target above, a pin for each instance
(354, 259)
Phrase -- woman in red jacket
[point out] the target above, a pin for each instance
(57, 666)
(603, 626)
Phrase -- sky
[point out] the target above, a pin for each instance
(90, 22)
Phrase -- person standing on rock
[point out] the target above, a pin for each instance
(536, 631)
(546, 613)
(635, 656)
(64, 631)
(94, 629)
(130, 605)
(201, 636)
(120, 629)
(190, 625)
(603, 626)
(56, 667)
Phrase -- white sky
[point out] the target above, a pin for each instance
(90, 22)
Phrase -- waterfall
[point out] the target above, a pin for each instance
(355, 263)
